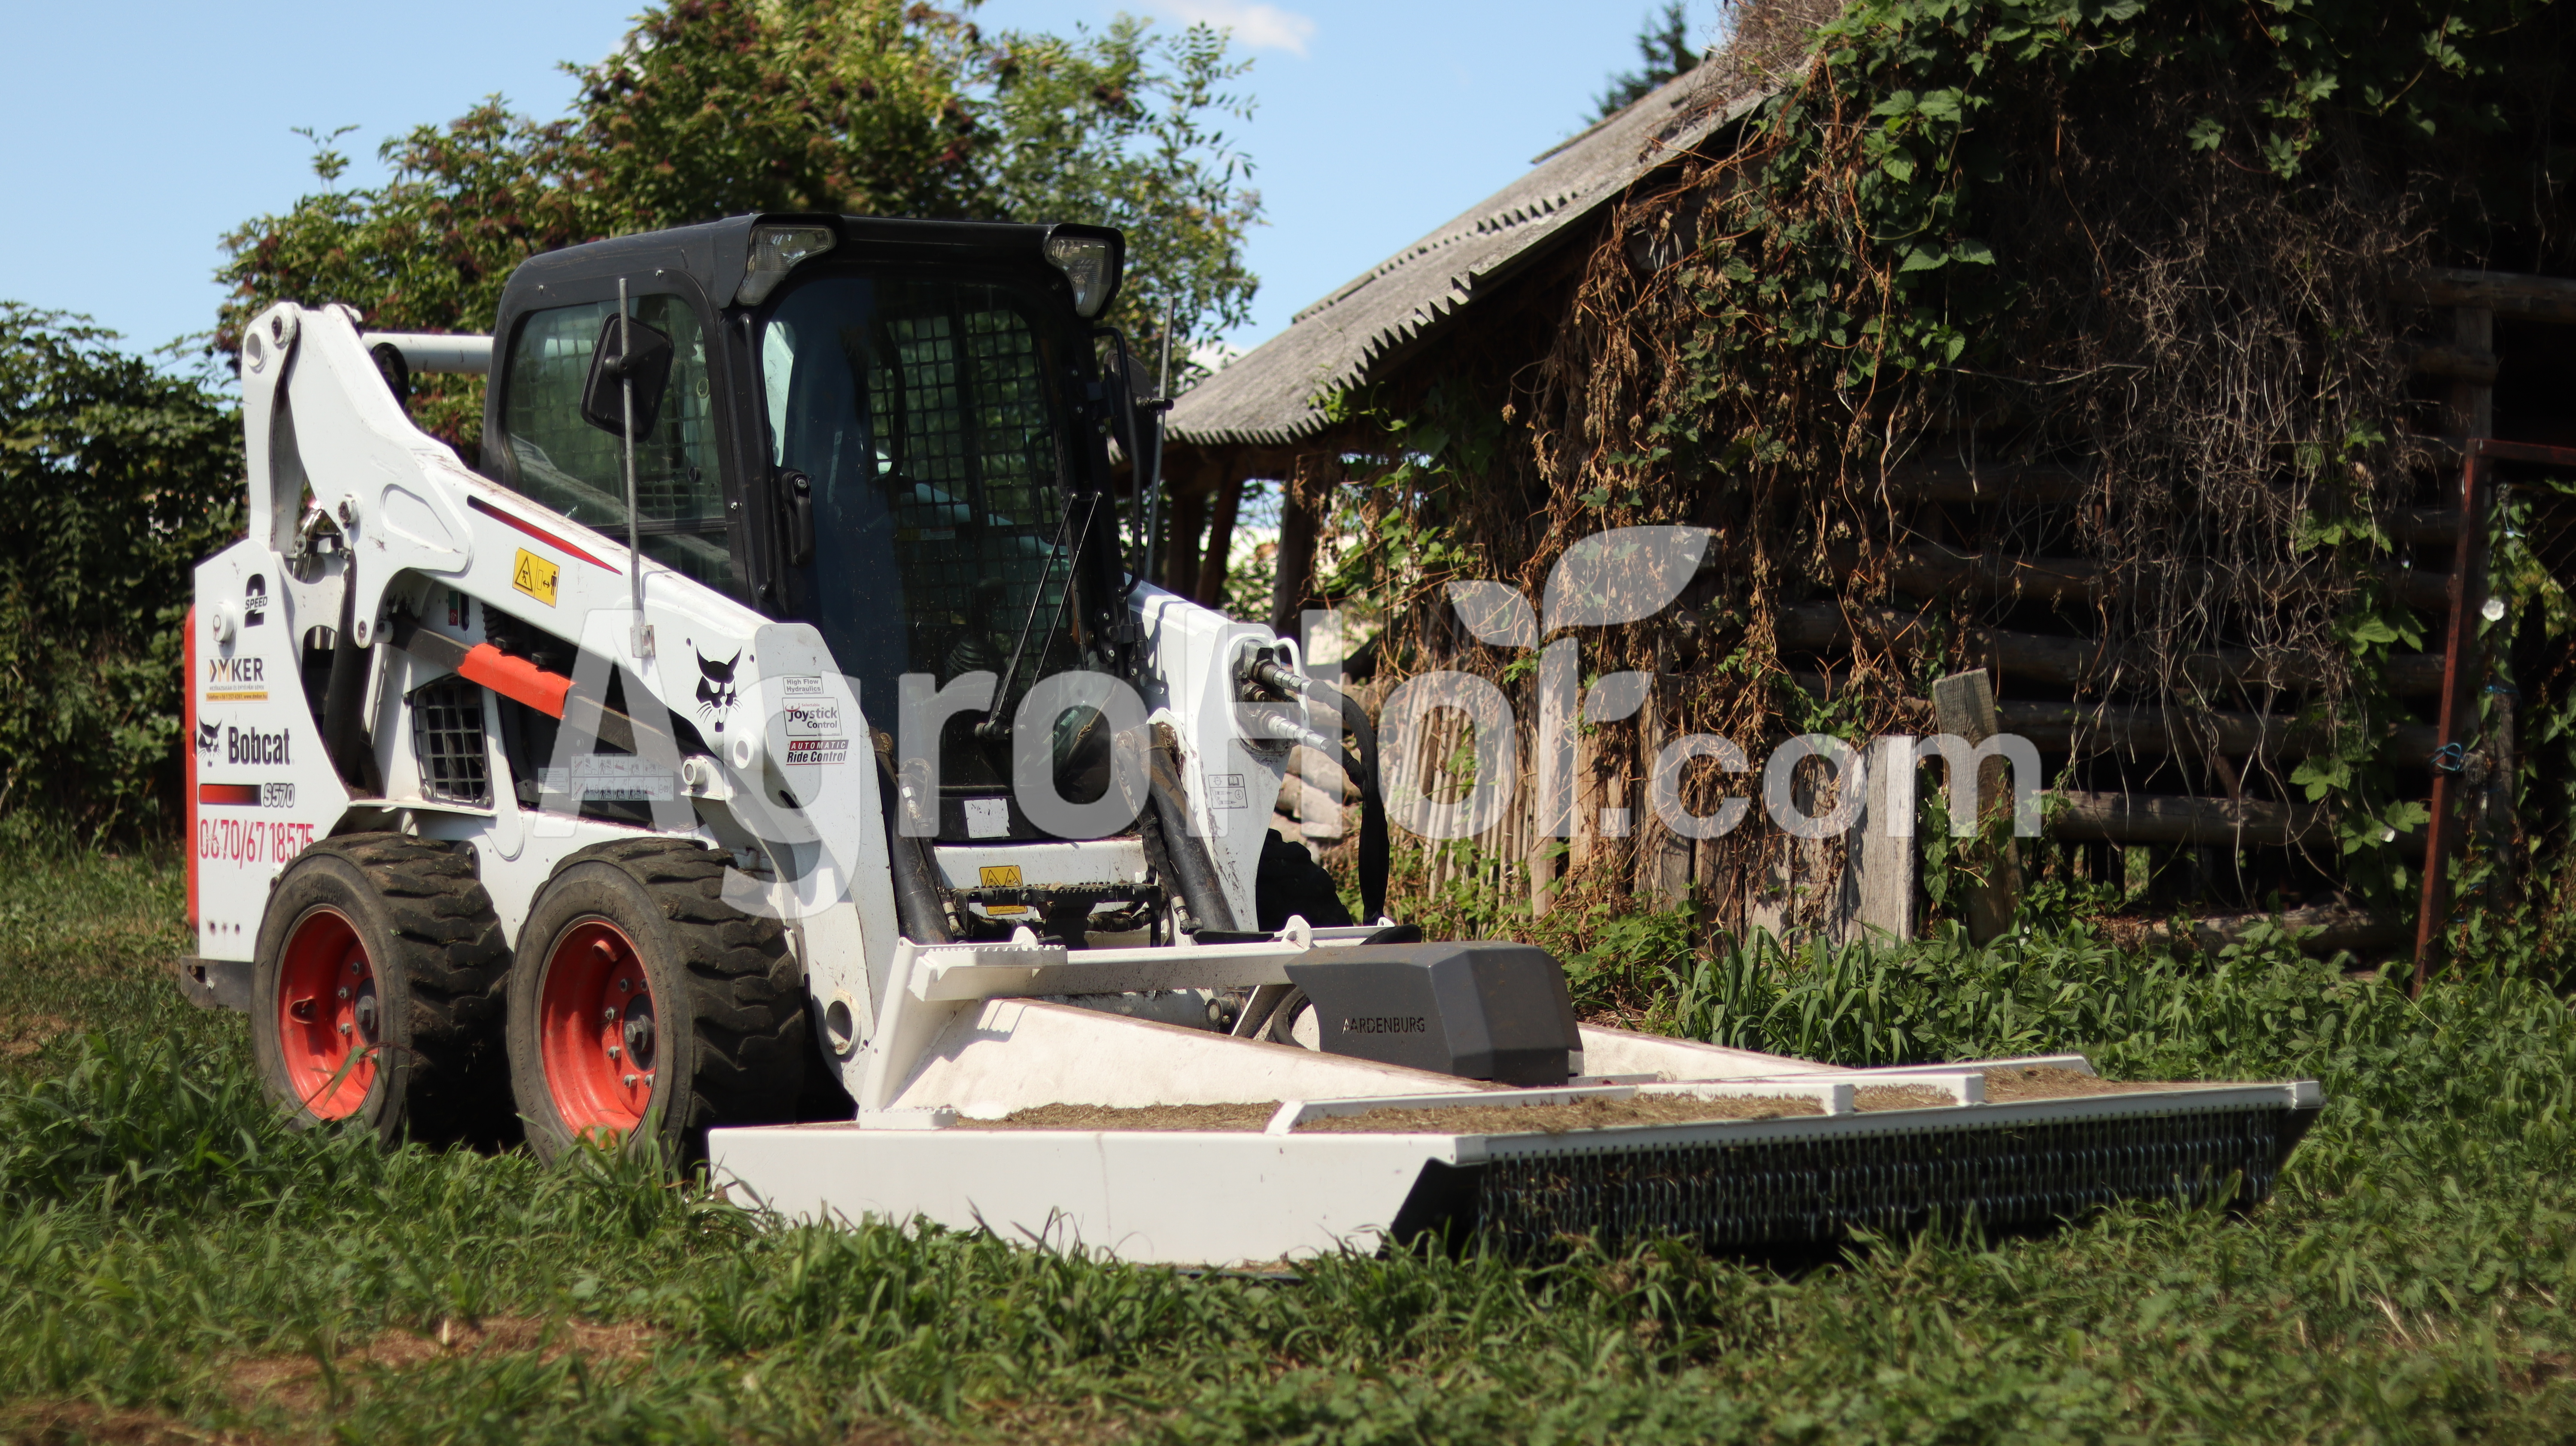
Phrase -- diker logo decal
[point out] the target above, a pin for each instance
(236, 680)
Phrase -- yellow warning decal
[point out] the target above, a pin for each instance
(1000, 876)
(536, 577)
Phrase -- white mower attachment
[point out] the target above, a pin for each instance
(1004, 1093)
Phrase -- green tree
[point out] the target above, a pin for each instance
(1664, 45)
(717, 107)
(115, 477)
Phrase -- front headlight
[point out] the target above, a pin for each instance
(1091, 264)
(775, 251)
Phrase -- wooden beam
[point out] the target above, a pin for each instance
(2324, 929)
(2474, 366)
(1986, 482)
(2423, 524)
(1813, 627)
(1938, 571)
(2054, 727)
(2172, 819)
(2503, 293)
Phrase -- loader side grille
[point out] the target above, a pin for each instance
(447, 742)
(1789, 1193)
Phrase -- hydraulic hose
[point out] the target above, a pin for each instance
(1354, 720)
(344, 697)
(1193, 871)
(917, 910)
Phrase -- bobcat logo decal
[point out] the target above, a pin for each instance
(210, 738)
(716, 693)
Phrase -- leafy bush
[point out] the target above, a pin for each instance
(115, 477)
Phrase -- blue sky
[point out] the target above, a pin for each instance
(136, 135)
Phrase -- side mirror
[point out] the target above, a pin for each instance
(627, 350)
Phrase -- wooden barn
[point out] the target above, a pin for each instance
(2236, 720)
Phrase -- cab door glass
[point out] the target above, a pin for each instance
(919, 413)
(575, 468)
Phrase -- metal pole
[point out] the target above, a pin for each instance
(643, 635)
(2458, 711)
(1154, 502)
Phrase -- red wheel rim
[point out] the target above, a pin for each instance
(597, 1031)
(328, 1015)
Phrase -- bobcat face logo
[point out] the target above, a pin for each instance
(716, 693)
(210, 739)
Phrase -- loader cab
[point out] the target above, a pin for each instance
(895, 430)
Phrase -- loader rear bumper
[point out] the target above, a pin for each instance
(1219, 1198)
(215, 983)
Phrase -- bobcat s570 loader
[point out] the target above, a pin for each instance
(763, 745)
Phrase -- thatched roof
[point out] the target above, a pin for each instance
(1266, 396)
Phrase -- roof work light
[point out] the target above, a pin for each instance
(775, 250)
(1091, 263)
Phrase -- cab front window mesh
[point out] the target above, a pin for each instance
(921, 416)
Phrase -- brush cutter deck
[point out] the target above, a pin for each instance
(1358, 1152)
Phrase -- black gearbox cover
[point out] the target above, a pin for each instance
(1476, 1010)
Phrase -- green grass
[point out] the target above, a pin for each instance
(174, 1265)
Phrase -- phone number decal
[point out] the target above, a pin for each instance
(251, 841)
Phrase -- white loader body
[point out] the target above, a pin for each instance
(364, 529)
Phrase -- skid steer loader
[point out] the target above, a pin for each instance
(764, 749)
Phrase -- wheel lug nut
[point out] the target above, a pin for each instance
(612, 1051)
(344, 1028)
(608, 1016)
(625, 986)
(630, 1081)
(344, 991)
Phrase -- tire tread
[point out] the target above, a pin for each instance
(747, 991)
(456, 964)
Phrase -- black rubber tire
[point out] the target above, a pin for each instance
(1281, 1026)
(439, 962)
(730, 1018)
(1288, 882)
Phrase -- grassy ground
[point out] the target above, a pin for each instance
(178, 1268)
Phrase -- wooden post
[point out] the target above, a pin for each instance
(1300, 520)
(1538, 847)
(1964, 704)
(1663, 856)
(1878, 883)
(2473, 400)
(1220, 543)
(1181, 553)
